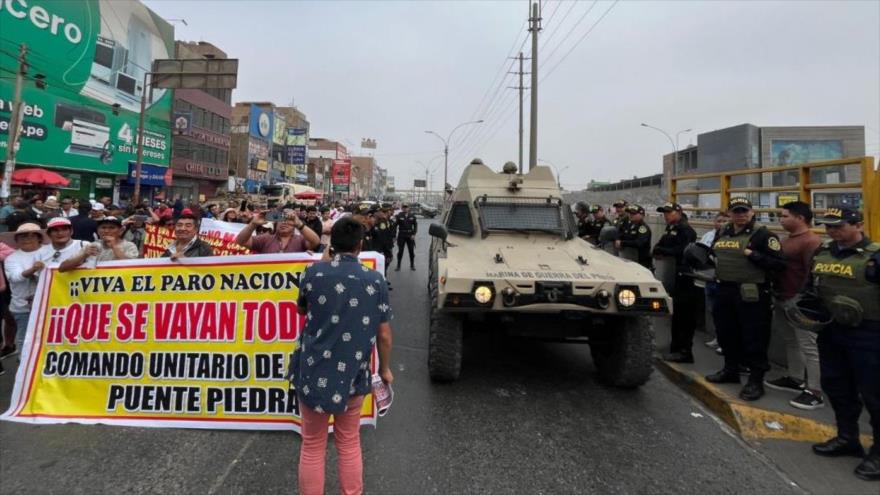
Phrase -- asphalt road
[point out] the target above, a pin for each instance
(526, 417)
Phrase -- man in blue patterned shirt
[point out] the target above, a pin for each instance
(347, 312)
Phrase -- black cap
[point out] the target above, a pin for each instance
(619, 202)
(739, 203)
(635, 209)
(669, 207)
(113, 220)
(839, 215)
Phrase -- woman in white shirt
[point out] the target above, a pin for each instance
(22, 272)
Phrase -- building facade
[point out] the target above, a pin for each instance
(751, 147)
(200, 153)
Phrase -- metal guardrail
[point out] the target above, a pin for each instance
(869, 186)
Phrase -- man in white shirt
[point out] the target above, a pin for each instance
(111, 246)
(61, 246)
(67, 209)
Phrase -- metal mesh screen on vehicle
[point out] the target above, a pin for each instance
(514, 216)
(460, 219)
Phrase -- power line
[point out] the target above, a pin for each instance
(556, 29)
(570, 31)
(582, 38)
(501, 72)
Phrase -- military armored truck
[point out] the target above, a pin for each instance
(507, 255)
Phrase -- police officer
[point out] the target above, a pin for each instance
(621, 217)
(383, 235)
(846, 277)
(582, 212)
(685, 295)
(406, 236)
(745, 255)
(635, 237)
(596, 224)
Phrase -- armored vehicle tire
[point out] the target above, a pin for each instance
(624, 356)
(444, 347)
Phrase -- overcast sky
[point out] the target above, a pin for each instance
(390, 70)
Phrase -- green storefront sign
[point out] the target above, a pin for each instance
(93, 57)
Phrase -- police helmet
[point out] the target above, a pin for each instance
(609, 233)
(696, 256)
(807, 312)
(846, 310)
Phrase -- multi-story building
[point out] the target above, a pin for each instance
(321, 154)
(84, 123)
(200, 154)
(751, 147)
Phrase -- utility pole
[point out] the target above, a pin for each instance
(534, 28)
(521, 89)
(14, 122)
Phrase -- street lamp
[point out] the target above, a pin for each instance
(557, 170)
(446, 150)
(673, 143)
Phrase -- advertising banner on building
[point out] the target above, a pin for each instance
(297, 150)
(151, 175)
(279, 130)
(220, 235)
(341, 175)
(260, 122)
(93, 56)
(182, 123)
(794, 152)
(204, 343)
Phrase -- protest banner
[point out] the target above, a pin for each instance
(201, 343)
(219, 234)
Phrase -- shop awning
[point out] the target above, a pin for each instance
(38, 177)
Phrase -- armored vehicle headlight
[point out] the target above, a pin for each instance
(603, 299)
(483, 294)
(626, 298)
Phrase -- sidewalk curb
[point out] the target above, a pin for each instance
(752, 423)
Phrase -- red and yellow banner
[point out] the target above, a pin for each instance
(220, 235)
(203, 343)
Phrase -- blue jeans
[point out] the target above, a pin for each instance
(21, 324)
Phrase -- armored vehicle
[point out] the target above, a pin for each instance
(507, 255)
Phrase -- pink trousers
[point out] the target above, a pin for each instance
(346, 436)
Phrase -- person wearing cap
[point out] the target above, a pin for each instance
(746, 256)
(51, 208)
(621, 216)
(595, 224)
(383, 237)
(802, 356)
(845, 274)
(110, 247)
(685, 295)
(582, 213)
(284, 240)
(61, 245)
(635, 237)
(22, 270)
(407, 227)
(186, 239)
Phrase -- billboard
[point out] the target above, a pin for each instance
(93, 56)
(797, 151)
(260, 123)
(296, 146)
(279, 130)
(341, 174)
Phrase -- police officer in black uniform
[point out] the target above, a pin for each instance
(685, 295)
(383, 235)
(745, 256)
(636, 234)
(582, 212)
(596, 224)
(621, 216)
(846, 278)
(407, 226)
